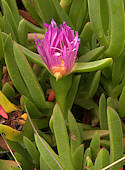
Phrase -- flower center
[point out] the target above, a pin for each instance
(59, 71)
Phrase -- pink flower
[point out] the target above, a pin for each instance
(58, 48)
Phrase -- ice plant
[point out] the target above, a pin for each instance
(58, 48)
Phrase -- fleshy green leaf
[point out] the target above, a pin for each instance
(94, 84)
(22, 32)
(92, 54)
(15, 168)
(95, 145)
(73, 91)
(61, 13)
(8, 90)
(33, 28)
(96, 20)
(89, 163)
(78, 12)
(10, 18)
(121, 103)
(33, 57)
(62, 139)
(34, 88)
(75, 138)
(20, 149)
(45, 9)
(13, 70)
(103, 112)
(1, 46)
(102, 159)
(47, 153)
(43, 165)
(22, 153)
(78, 157)
(7, 164)
(1, 22)
(30, 8)
(85, 36)
(24, 163)
(110, 102)
(33, 152)
(1, 72)
(116, 137)
(104, 15)
(91, 66)
(10, 133)
(117, 30)
(87, 154)
(32, 108)
(13, 6)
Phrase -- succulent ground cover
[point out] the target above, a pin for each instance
(62, 84)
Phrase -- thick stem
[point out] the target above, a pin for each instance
(61, 89)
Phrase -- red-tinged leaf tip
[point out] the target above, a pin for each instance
(3, 113)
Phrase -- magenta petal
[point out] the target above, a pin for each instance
(59, 47)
